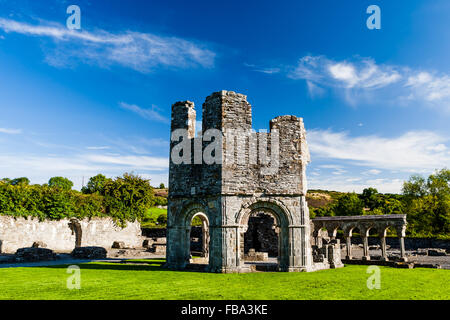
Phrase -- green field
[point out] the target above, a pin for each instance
(149, 280)
(151, 216)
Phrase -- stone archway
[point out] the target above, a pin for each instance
(282, 223)
(179, 234)
(204, 236)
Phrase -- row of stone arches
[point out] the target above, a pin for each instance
(365, 227)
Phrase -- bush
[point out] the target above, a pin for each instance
(160, 201)
(127, 198)
(162, 219)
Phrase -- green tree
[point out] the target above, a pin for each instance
(20, 181)
(370, 198)
(428, 204)
(127, 198)
(96, 184)
(61, 183)
(349, 205)
(162, 186)
(415, 187)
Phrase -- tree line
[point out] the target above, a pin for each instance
(125, 198)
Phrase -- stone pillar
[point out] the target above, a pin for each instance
(293, 248)
(383, 248)
(401, 236)
(365, 248)
(177, 247)
(205, 239)
(348, 240)
(402, 249)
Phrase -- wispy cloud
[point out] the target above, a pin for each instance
(359, 77)
(150, 114)
(10, 131)
(373, 171)
(267, 70)
(98, 148)
(136, 50)
(362, 73)
(414, 151)
(428, 86)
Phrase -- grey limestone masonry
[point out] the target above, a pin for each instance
(225, 194)
(64, 235)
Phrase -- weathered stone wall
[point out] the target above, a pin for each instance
(60, 236)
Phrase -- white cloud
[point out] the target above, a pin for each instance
(314, 90)
(411, 152)
(139, 162)
(10, 131)
(149, 114)
(139, 51)
(357, 78)
(98, 148)
(373, 171)
(361, 73)
(430, 87)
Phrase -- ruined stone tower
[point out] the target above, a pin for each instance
(266, 173)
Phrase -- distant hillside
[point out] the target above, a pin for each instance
(161, 192)
(321, 198)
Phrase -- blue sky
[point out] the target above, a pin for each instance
(376, 103)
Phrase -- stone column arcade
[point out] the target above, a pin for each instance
(381, 223)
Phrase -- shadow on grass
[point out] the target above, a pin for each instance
(127, 265)
(153, 265)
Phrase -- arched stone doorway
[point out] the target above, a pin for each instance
(203, 249)
(179, 235)
(282, 223)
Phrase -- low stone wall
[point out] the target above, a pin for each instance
(60, 236)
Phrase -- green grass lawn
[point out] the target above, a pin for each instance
(149, 280)
(152, 214)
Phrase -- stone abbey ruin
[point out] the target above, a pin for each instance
(225, 194)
